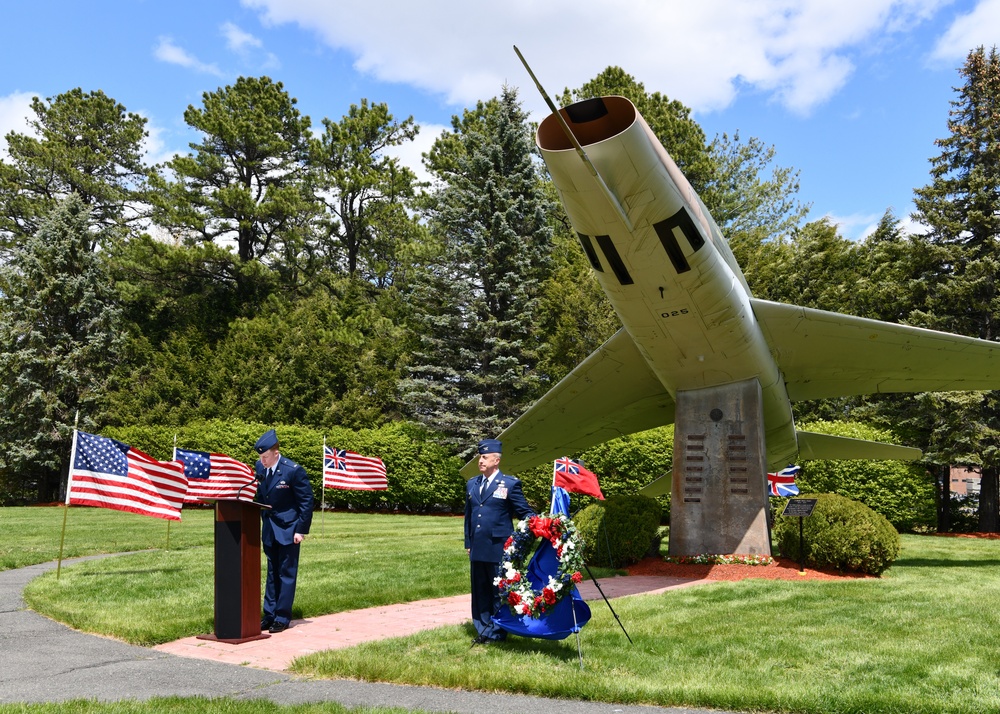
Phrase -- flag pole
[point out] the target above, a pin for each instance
(173, 457)
(69, 488)
(322, 490)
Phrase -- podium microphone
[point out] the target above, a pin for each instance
(239, 491)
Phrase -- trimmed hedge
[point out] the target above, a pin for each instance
(841, 534)
(618, 531)
(422, 476)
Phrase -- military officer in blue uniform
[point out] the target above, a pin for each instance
(492, 501)
(285, 487)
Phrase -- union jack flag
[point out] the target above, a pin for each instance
(348, 470)
(783, 482)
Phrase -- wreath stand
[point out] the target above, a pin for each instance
(608, 603)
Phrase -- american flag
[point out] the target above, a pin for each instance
(783, 482)
(571, 476)
(216, 476)
(109, 474)
(347, 470)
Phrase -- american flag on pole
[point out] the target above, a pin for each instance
(109, 474)
(216, 476)
(783, 482)
(573, 477)
(347, 470)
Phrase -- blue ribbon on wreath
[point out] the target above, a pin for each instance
(558, 623)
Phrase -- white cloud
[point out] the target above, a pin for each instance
(969, 31)
(167, 51)
(854, 227)
(237, 40)
(798, 51)
(14, 112)
(410, 153)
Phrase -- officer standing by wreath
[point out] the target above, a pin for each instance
(492, 501)
(285, 487)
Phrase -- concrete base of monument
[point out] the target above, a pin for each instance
(719, 497)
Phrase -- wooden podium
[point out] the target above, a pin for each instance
(237, 572)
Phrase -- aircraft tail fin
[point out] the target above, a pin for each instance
(814, 446)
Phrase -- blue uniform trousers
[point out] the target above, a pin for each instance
(486, 599)
(279, 588)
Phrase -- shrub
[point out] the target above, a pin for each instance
(901, 491)
(841, 534)
(618, 531)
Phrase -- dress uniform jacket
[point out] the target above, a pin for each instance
(488, 516)
(290, 496)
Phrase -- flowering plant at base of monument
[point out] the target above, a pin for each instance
(516, 588)
(708, 559)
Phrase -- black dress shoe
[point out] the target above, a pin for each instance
(265, 623)
(480, 640)
(277, 627)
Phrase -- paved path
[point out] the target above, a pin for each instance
(346, 629)
(44, 661)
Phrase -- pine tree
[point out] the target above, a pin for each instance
(82, 143)
(961, 207)
(477, 298)
(59, 343)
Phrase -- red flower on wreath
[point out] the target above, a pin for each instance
(513, 582)
(541, 527)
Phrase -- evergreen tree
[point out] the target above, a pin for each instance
(247, 182)
(961, 207)
(365, 192)
(59, 342)
(82, 143)
(477, 298)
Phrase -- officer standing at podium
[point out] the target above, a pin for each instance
(285, 487)
(492, 500)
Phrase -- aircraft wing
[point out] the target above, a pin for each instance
(610, 394)
(826, 354)
(827, 446)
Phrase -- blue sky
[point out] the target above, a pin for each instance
(852, 93)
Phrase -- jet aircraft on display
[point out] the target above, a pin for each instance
(690, 325)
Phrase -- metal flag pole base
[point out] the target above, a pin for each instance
(587, 567)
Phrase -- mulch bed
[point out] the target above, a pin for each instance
(780, 569)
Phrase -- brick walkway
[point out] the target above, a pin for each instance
(346, 629)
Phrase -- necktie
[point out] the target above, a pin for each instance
(482, 486)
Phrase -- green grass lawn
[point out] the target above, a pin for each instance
(923, 638)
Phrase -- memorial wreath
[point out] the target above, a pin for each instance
(515, 587)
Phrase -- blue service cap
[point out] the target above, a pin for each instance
(490, 446)
(267, 442)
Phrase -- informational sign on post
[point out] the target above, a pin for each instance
(799, 507)
(803, 508)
